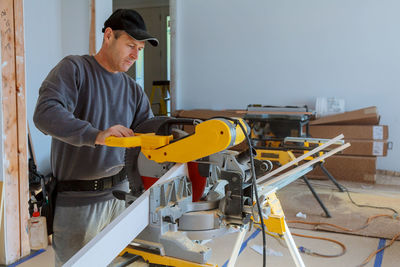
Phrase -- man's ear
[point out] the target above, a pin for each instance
(108, 33)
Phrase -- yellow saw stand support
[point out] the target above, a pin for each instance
(275, 223)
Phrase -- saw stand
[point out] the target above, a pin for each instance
(274, 222)
(285, 155)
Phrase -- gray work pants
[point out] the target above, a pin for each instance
(75, 226)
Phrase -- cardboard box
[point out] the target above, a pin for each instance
(365, 116)
(374, 132)
(205, 114)
(348, 168)
(366, 148)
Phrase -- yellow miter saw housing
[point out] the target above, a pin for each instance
(209, 137)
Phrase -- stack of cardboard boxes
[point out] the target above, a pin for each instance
(368, 141)
(360, 127)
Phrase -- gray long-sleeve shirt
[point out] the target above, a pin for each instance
(77, 100)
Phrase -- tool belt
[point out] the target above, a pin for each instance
(92, 185)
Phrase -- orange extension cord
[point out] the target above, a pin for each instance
(307, 251)
(326, 239)
(379, 250)
(340, 227)
(368, 259)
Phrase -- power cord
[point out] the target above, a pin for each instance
(331, 225)
(254, 182)
(396, 213)
(309, 251)
(368, 206)
(313, 253)
(368, 259)
(394, 216)
(253, 175)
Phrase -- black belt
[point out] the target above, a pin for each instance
(92, 185)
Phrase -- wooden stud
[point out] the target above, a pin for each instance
(9, 134)
(92, 33)
(14, 137)
(21, 124)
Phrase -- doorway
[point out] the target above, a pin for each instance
(153, 63)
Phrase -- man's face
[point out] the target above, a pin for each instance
(123, 51)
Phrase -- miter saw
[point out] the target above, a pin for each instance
(201, 191)
(216, 195)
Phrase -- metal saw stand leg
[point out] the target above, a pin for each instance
(331, 177)
(328, 215)
(293, 248)
(238, 245)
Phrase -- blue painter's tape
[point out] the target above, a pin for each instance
(27, 258)
(379, 256)
(244, 245)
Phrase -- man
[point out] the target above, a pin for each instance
(83, 100)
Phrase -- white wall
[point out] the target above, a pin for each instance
(134, 4)
(54, 29)
(103, 11)
(75, 27)
(230, 53)
(76, 24)
(42, 51)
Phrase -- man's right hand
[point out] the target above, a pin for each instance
(116, 130)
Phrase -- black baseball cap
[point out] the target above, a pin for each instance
(132, 23)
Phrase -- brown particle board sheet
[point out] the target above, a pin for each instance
(364, 116)
(298, 198)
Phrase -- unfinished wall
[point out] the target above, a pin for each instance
(230, 53)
